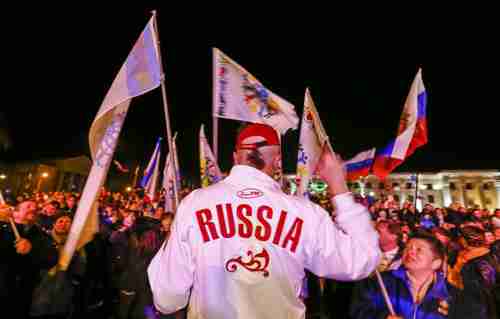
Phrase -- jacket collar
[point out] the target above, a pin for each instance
(437, 290)
(247, 175)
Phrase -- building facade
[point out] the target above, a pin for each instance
(470, 188)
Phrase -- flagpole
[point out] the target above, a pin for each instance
(136, 174)
(416, 191)
(384, 293)
(165, 105)
(215, 119)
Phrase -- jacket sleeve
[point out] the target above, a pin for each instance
(347, 249)
(171, 272)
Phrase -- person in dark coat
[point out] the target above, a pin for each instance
(136, 300)
(481, 280)
(23, 260)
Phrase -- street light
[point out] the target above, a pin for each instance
(3, 176)
(43, 176)
(128, 189)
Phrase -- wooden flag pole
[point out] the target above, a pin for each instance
(384, 293)
(14, 229)
(215, 119)
(165, 105)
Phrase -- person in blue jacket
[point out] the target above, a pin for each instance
(417, 290)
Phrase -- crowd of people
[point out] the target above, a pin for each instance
(450, 256)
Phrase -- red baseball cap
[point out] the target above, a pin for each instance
(269, 135)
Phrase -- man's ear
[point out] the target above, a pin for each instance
(436, 264)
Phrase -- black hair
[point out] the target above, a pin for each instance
(254, 157)
(436, 246)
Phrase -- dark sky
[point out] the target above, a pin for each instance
(62, 62)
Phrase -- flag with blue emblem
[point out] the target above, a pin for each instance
(150, 179)
(311, 140)
(209, 170)
(171, 166)
(139, 74)
(238, 95)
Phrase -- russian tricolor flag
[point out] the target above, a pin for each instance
(412, 132)
(359, 165)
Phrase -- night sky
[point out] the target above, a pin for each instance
(62, 62)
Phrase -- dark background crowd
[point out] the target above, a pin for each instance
(107, 277)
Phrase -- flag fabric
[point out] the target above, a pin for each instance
(139, 74)
(238, 95)
(311, 141)
(169, 177)
(151, 174)
(2, 200)
(412, 131)
(359, 165)
(209, 170)
(120, 167)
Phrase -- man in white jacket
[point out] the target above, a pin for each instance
(238, 249)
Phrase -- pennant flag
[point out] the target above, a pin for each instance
(171, 164)
(412, 131)
(359, 165)
(240, 96)
(151, 174)
(120, 167)
(210, 171)
(139, 74)
(311, 141)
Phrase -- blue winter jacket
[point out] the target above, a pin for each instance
(368, 301)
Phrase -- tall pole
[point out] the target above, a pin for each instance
(416, 191)
(136, 175)
(165, 105)
(215, 122)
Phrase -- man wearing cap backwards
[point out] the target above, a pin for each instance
(239, 248)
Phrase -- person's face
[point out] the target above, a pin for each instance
(49, 209)
(165, 224)
(26, 212)
(385, 236)
(71, 202)
(477, 214)
(62, 225)
(489, 238)
(418, 256)
(129, 220)
(108, 210)
(382, 214)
